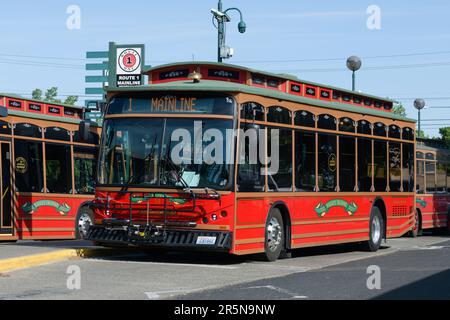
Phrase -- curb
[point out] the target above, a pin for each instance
(24, 262)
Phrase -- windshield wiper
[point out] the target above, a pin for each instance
(175, 170)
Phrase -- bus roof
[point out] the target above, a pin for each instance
(231, 87)
(265, 73)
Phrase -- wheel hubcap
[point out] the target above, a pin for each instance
(376, 229)
(274, 234)
(84, 223)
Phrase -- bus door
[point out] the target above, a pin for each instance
(6, 221)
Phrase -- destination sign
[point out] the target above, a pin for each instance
(172, 104)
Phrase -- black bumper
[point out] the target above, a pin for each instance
(176, 239)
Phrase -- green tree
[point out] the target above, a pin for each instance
(51, 94)
(400, 110)
(71, 100)
(445, 134)
(421, 134)
(37, 94)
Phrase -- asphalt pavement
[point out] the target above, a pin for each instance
(332, 272)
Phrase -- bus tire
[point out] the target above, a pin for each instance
(85, 219)
(376, 231)
(274, 235)
(417, 229)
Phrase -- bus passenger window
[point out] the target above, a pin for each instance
(364, 165)
(380, 165)
(394, 167)
(430, 170)
(305, 161)
(281, 178)
(29, 166)
(58, 168)
(408, 167)
(441, 177)
(327, 160)
(251, 176)
(347, 164)
(420, 177)
(84, 170)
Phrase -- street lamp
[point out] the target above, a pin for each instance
(419, 104)
(222, 17)
(354, 64)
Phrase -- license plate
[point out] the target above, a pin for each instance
(206, 240)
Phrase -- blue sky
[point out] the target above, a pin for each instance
(288, 36)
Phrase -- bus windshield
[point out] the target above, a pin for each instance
(165, 152)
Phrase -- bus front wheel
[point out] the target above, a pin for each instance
(376, 231)
(274, 235)
(417, 229)
(83, 222)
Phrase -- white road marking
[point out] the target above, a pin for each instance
(292, 295)
(156, 295)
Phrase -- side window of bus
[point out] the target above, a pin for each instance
(305, 161)
(326, 122)
(364, 165)
(408, 134)
(364, 127)
(252, 111)
(56, 133)
(280, 165)
(347, 155)
(58, 168)
(27, 130)
(29, 168)
(408, 167)
(5, 128)
(448, 177)
(84, 170)
(346, 125)
(279, 115)
(251, 170)
(430, 170)
(379, 130)
(380, 165)
(327, 161)
(441, 177)
(304, 119)
(92, 139)
(394, 132)
(395, 166)
(420, 177)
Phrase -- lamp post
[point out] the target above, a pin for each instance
(354, 64)
(222, 17)
(419, 104)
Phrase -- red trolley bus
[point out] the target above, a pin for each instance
(345, 172)
(47, 172)
(433, 185)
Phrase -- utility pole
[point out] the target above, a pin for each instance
(221, 16)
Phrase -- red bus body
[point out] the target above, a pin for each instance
(30, 208)
(237, 220)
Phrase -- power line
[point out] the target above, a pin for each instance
(343, 59)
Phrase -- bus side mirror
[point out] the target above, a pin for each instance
(3, 112)
(84, 130)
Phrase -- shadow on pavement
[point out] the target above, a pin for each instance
(435, 287)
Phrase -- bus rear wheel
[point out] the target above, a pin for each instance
(376, 231)
(417, 229)
(274, 235)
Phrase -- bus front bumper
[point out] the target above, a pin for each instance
(170, 238)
